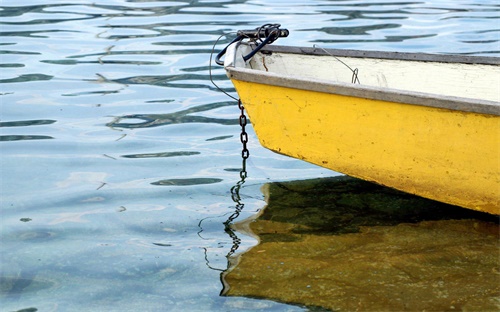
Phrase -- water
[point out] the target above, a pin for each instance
(118, 155)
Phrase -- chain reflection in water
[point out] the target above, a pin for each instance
(235, 196)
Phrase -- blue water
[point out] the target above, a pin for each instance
(118, 155)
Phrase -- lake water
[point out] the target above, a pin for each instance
(120, 159)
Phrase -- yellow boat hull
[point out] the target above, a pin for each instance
(447, 155)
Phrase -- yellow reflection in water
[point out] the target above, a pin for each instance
(346, 245)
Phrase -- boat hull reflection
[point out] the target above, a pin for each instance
(343, 244)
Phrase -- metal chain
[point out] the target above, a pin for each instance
(245, 153)
(243, 136)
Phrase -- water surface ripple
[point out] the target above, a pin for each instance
(118, 154)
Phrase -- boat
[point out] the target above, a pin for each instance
(343, 244)
(425, 124)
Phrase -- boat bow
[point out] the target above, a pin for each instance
(421, 123)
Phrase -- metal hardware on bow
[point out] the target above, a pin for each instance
(268, 32)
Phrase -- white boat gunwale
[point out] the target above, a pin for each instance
(364, 91)
(424, 57)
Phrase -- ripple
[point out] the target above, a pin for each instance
(159, 155)
(20, 52)
(357, 30)
(4, 138)
(35, 33)
(187, 182)
(219, 138)
(102, 62)
(27, 310)
(11, 65)
(27, 78)
(24, 123)
(92, 92)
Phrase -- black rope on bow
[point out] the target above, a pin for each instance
(270, 32)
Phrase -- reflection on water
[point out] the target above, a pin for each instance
(116, 149)
(195, 181)
(23, 137)
(343, 244)
(26, 123)
(164, 154)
